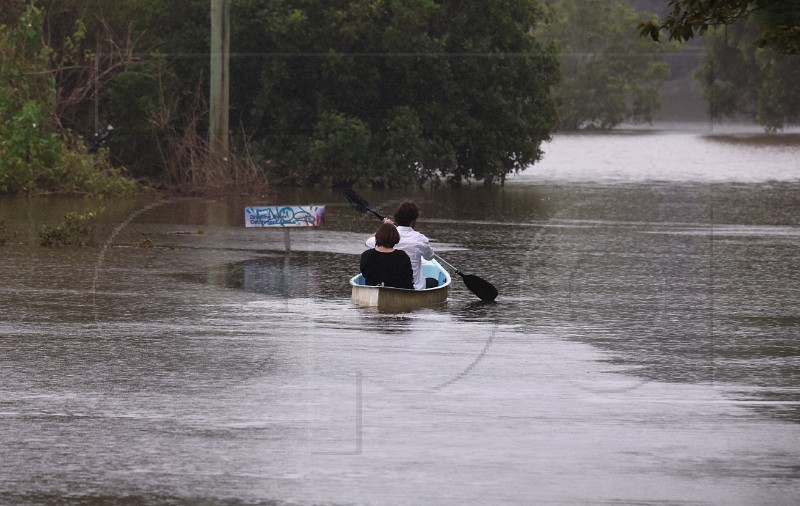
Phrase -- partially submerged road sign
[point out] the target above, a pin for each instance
(284, 217)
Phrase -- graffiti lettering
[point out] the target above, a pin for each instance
(285, 216)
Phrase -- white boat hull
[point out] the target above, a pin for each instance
(401, 299)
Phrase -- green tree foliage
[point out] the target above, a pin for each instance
(425, 89)
(382, 92)
(742, 80)
(778, 21)
(609, 74)
(34, 154)
(76, 230)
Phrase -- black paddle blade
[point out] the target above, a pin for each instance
(359, 204)
(480, 287)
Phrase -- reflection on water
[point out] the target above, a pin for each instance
(645, 341)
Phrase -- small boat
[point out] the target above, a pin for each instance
(402, 299)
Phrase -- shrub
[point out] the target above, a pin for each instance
(76, 230)
(36, 155)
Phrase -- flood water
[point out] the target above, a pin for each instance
(644, 349)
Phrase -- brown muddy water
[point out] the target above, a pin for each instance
(644, 349)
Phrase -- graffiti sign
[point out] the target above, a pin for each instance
(284, 216)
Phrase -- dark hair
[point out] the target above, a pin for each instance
(387, 236)
(406, 212)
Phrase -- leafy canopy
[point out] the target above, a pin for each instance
(393, 92)
(778, 20)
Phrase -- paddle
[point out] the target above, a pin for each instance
(480, 287)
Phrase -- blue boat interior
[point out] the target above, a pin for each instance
(432, 272)
(428, 270)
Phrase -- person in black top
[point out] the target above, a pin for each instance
(384, 264)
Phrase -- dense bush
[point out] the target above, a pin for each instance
(36, 155)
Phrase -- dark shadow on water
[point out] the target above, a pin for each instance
(292, 275)
(478, 310)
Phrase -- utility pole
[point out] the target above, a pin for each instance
(220, 79)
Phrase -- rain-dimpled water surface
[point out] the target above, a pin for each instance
(643, 349)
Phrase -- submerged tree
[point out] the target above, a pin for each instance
(609, 74)
(745, 81)
(391, 92)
